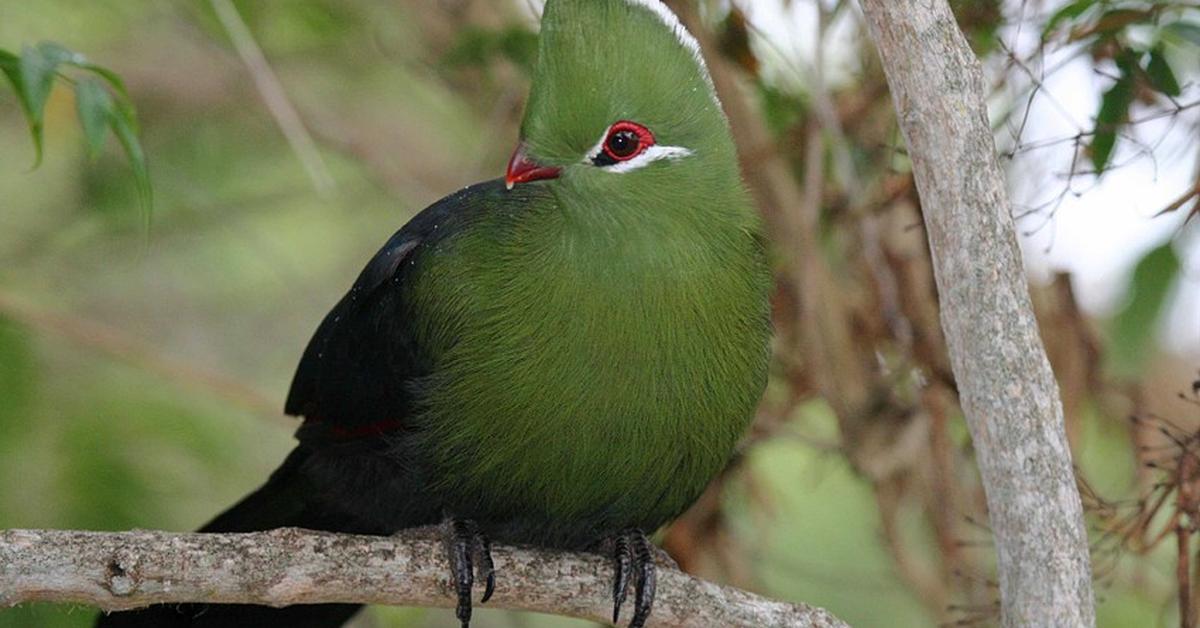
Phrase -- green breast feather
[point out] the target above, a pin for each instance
(590, 363)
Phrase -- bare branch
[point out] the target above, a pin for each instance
(117, 571)
(1007, 389)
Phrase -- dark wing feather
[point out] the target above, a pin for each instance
(354, 368)
(352, 380)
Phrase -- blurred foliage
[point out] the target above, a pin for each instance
(981, 20)
(141, 375)
(18, 379)
(478, 47)
(1135, 36)
(102, 104)
(1135, 328)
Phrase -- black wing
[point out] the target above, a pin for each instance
(352, 380)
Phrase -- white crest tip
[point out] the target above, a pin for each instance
(686, 39)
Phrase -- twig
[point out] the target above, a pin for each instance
(117, 571)
(1183, 200)
(274, 96)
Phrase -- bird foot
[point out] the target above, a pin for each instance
(468, 551)
(633, 558)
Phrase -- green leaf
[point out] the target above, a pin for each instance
(111, 77)
(37, 72)
(114, 81)
(1134, 328)
(122, 102)
(1114, 110)
(32, 75)
(1072, 10)
(95, 108)
(39, 67)
(10, 65)
(1101, 149)
(124, 126)
(8, 62)
(1162, 78)
(65, 56)
(34, 78)
(1185, 30)
(59, 53)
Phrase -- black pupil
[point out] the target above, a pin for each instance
(623, 143)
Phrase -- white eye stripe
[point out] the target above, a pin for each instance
(649, 156)
(655, 153)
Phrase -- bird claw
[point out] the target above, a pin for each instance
(633, 557)
(622, 569)
(467, 546)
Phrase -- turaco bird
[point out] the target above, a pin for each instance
(564, 357)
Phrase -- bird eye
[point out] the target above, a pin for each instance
(625, 140)
(622, 144)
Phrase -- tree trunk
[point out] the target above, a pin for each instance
(1007, 389)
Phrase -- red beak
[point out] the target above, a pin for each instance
(522, 169)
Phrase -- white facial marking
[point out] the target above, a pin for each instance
(685, 39)
(650, 155)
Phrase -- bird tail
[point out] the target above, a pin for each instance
(284, 501)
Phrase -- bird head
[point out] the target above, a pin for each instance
(621, 104)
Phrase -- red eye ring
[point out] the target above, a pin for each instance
(626, 140)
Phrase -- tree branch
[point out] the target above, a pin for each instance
(117, 571)
(1005, 383)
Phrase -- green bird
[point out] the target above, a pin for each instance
(565, 357)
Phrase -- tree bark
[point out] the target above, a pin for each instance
(1007, 389)
(116, 571)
